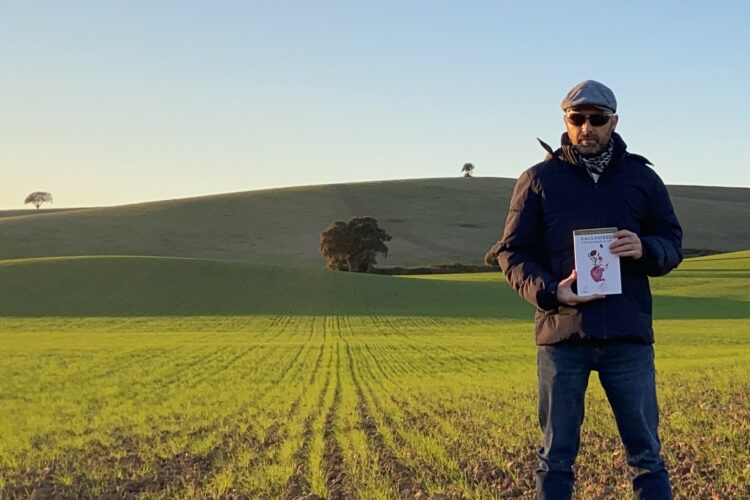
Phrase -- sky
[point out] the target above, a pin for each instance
(108, 103)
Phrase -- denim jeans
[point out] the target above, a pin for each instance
(626, 372)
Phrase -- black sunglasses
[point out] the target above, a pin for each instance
(597, 120)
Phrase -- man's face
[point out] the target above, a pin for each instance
(589, 139)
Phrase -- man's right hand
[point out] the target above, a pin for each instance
(566, 295)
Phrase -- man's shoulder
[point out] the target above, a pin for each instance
(550, 166)
(641, 167)
(639, 159)
(553, 164)
(541, 176)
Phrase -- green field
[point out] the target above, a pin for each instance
(180, 378)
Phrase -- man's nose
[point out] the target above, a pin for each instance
(586, 127)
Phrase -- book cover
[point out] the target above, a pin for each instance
(597, 269)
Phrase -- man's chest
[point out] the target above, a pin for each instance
(575, 201)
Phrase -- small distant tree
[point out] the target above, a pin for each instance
(37, 198)
(467, 169)
(354, 245)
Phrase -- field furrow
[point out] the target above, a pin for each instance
(330, 406)
(402, 476)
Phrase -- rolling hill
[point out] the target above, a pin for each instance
(28, 212)
(704, 288)
(158, 286)
(431, 221)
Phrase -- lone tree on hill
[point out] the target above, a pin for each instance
(467, 169)
(37, 198)
(354, 245)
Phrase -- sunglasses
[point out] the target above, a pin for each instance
(596, 120)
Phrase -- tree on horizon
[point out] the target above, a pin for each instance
(467, 169)
(37, 198)
(353, 246)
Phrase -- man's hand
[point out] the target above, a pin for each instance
(566, 295)
(626, 244)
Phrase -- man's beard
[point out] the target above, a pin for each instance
(592, 150)
(596, 163)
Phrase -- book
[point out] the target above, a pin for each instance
(597, 270)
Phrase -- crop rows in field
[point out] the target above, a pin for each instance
(336, 407)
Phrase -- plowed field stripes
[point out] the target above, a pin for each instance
(391, 466)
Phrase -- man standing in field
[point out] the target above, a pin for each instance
(592, 181)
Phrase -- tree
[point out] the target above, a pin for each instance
(467, 169)
(37, 198)
(354, 245)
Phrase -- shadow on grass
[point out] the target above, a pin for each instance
(128, 287)
(670, 307)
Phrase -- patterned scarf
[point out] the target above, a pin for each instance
(594, 164)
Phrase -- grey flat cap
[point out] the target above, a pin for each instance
(590, 93)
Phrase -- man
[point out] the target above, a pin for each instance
(592, 181)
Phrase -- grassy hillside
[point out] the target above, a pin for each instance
(713, 287)
(32, 212)
(716, 286)
(431, 220)
(149, 286)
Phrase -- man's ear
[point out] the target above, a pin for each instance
(615, 119)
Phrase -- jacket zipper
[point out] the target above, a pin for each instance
(599, 223)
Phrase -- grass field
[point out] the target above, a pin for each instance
(268, 382)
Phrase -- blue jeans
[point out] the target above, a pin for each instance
(626, 372)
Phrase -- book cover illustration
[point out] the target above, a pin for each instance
(597, 269)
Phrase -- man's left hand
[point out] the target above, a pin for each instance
(626, 244)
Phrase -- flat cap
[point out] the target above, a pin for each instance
(590, 93)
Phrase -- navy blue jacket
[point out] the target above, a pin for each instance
(555, 197)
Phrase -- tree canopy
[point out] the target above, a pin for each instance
(467, 169)
(354, 245)
(37, 198)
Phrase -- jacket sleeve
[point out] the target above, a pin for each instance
(519, 252)
(661, 234)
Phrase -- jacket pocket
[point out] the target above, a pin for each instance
(556, 325)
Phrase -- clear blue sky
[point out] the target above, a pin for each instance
(117, 102)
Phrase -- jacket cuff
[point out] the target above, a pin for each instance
(547, 298)
(649, 261)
